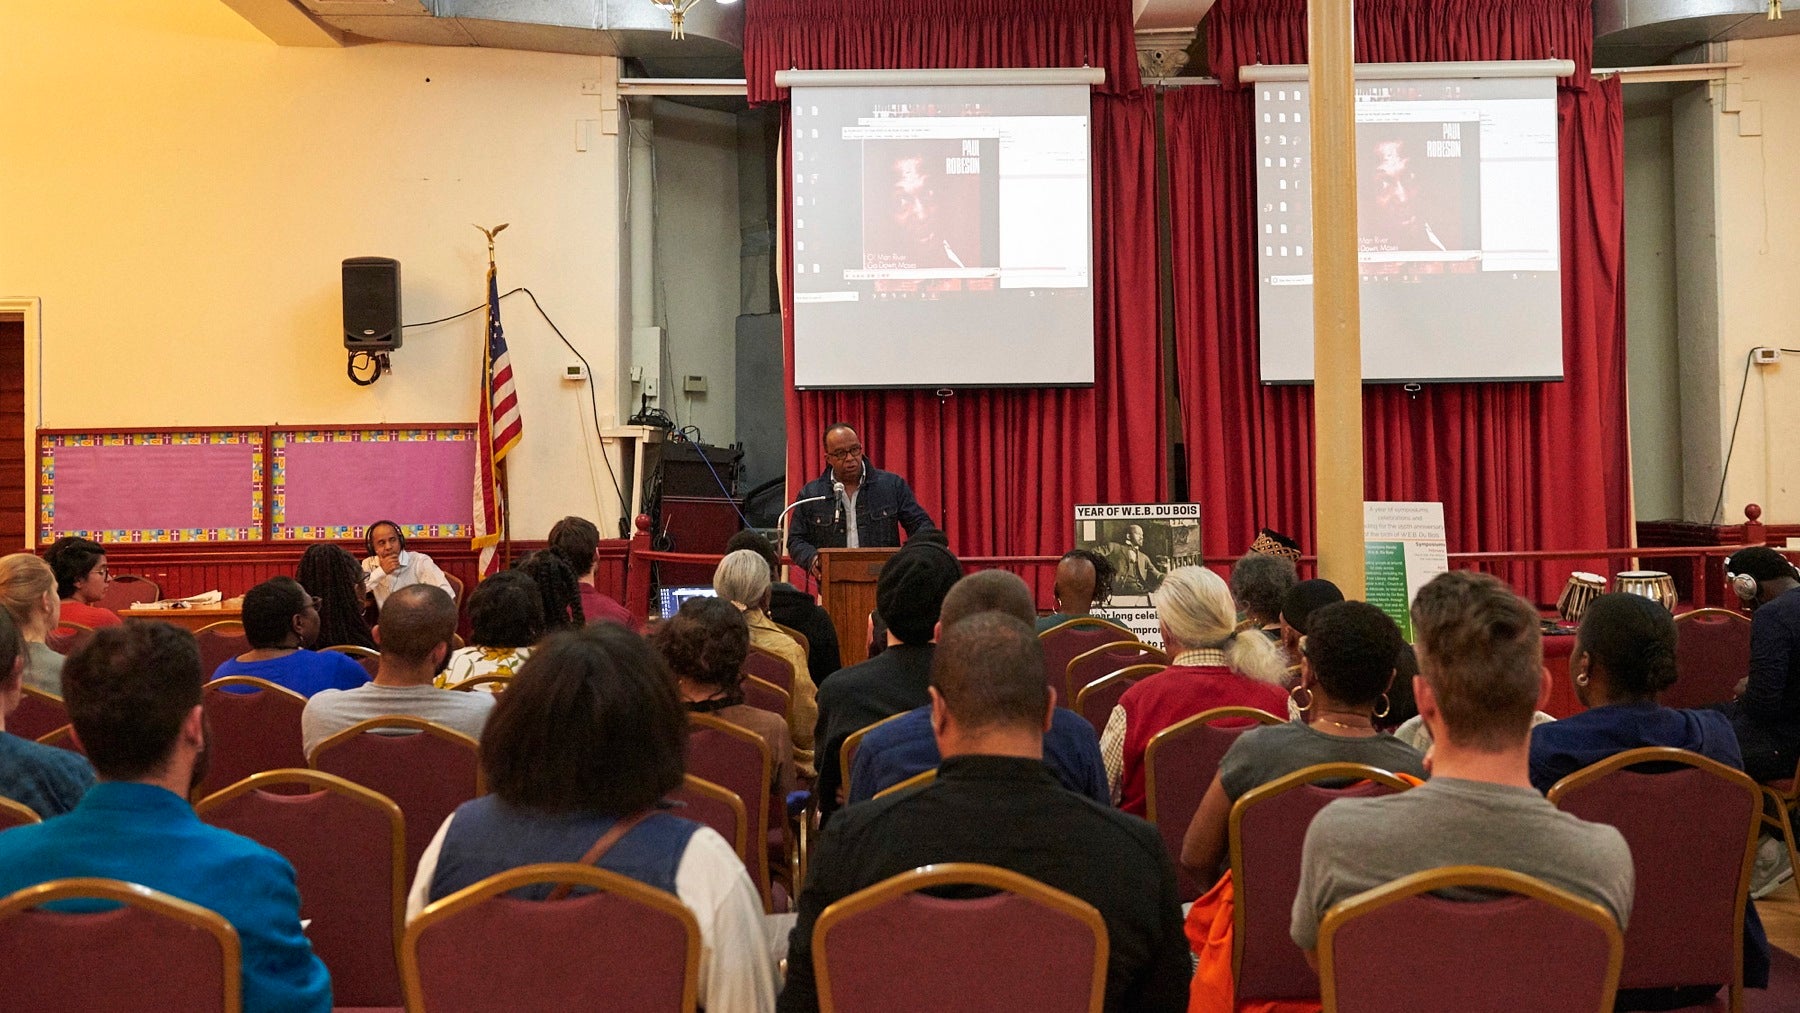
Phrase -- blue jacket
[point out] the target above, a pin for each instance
(148, 835)
(899, 749)
(884, 504)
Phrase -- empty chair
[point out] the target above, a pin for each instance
(1091, 666)
(1066, 641)
(251, 732)
(765, 696)
(127, 590)
(153, 952)
(738, 761)
(39, 713)
(1025, 947)
(427, 769)
(1179, 764)
(67, 638)
(479, 950)
(1096, 700)
(1712, 653)
(1397, 947)
(219, 643)
(348, 848)
(16, 814)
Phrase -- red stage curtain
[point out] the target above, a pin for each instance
(890, 34)
(1243, 32)
(1517, 465)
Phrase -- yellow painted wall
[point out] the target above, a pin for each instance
(180, 191)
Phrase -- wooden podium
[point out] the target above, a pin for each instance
(847, 587)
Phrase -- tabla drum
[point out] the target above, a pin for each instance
(1582, 588)
(1652, 584)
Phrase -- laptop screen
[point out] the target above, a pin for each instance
(672, 597)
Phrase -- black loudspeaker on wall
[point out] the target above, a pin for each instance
(371, 304)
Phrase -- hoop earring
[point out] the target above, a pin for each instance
(1581, 680)
(1386, 706)
(1292, 697)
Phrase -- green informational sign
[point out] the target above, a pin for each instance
(1386, 584)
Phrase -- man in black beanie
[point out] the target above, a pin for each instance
(1766, 713)
(908, 596)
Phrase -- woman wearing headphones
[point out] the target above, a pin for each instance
(392, 566)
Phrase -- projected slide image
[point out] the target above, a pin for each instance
(923, 206)
(1419, 190)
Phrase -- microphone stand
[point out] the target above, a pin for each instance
(782, 521)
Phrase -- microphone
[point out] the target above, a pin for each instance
(837, 496)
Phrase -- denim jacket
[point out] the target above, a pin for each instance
(884, 504)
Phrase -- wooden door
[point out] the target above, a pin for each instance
(14, 481)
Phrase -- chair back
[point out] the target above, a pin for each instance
(249, 732)
(1097, 699)
(799, 638)
(1712, 652)
(427, 769)
(1179, 765)
(39, 713)
(479, 950)
(705, 802)
(1691, 823)
(127, 590)
(484, 683)
(67, 638)
(1397, 947)
(1267, 827)
(770, 667)
(1064, 642)
(16, 814)
(348, 848)
(922, 777)
(219, 643)
(853, 742)
(369, 659)
(1025, 947)
(1089, 667)
(456, 589)
(63, 738)
(737, 760)
(151, 952)
(765, 696)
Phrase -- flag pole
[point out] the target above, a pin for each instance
(493, 461)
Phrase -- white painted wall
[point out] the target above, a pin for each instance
(1652, 366)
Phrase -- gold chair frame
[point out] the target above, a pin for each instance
(1183, 727)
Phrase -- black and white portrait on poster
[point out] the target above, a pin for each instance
(1143, 542)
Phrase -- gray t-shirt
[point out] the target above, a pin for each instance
(1261, 755)
(43, 668)
(1357, 844)
(332, 710)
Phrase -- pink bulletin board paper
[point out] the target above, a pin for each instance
(151, 487)
(329, 484)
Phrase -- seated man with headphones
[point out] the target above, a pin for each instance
(1766, 713)
(391, 566)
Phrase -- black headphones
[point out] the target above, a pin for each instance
(369, 535)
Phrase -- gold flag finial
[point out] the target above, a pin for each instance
(490, 234)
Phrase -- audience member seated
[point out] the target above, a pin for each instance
(1259, 583)
(1297, 606)
(909, 593)
(577, 541)
(1214, 666)
(391, 566)
(704, 645)
(795, 609)
(590, 734)
(558, 590)
(81, 580)
(1766, 713)
(1084, 582)
(742, 578)
(1346, 669)
(903, 748)
(280, 621)
(1624, 655)
(134, 697)
(28, 590)
(995, 802)
(1482, 663)
(334, 578)
(506, 616)
(45, 779)
(415, 630)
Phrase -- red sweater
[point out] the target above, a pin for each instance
(1175, 694)
(91, 616)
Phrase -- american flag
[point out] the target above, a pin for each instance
(498, 432)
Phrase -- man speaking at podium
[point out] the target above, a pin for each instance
(862, 507)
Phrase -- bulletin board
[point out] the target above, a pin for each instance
(201, 485)
(330, 483)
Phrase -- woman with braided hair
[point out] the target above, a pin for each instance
(336, 579)
(560, 587)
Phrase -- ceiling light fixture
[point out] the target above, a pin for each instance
(677, 11)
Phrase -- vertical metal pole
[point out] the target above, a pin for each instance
(1337, 333)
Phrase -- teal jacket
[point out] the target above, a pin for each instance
(147, 835)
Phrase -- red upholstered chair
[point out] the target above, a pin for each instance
(152, 953)
(63, 738)
(348, 848)
(770, 667)
(1712, 652)
(219, 643)
(126, 590)
(1064, 642)
(1179, 764)
(892, 948)
(799, 638)
(38, 715)
(702, 801)
(1397, 947)
(737, 760)
(1692, 826)
(427, 769)
(68, 638)
(853, 742)
(477, 950)
(249, 732)
(765, 696)
(1267, 827)
(1090, 667)
(1098, 698)
(16, 814)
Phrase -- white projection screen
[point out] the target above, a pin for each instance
(942, 231)
(1457, 226)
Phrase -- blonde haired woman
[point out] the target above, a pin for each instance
(28, 590)
(1214, 666)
